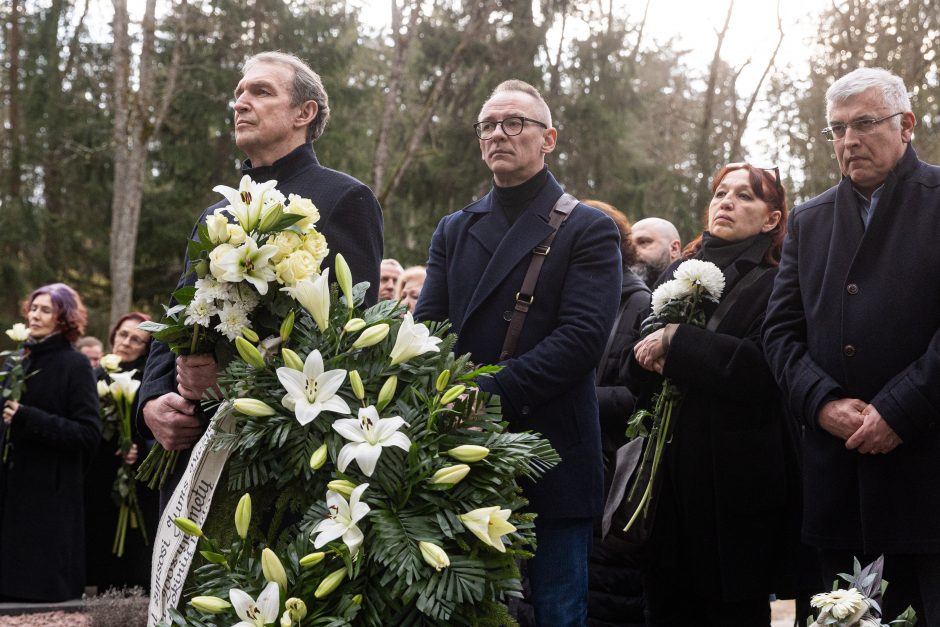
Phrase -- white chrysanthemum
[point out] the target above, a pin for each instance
(841, 604)
(242, 296)
(232, 320)
(696, 274)
(200, 311)
(670, 290)
(209, 289)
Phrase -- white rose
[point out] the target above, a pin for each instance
(111, 362)
(215, 256)
(304, 207)
(218, 228)
(236, 234)
(286, 243)
(315, 244)
(297, 266)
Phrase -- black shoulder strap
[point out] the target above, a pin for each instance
(524, 297)
(728, 301)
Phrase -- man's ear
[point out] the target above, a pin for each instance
(306, 113)
(908, 121)
(549, 139)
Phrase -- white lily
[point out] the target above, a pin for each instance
(256, 614)
(312, 391)
(369, 434)
(124, 385)
(343, 518)
(249, 263)
(246, 201)
(314, 296)
(489, 524)
(413, 340)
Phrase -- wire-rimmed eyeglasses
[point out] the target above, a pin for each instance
(512, 125)
(861, 127)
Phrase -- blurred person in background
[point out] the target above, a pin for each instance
(92, 348)
(657, 245)
(408, 287)
(53, 431)
(388, 278)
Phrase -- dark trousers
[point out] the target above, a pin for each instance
(558, 574)
(672, 602)
(913, 580)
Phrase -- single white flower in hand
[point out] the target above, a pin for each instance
(841, 604)
(124, 385)
(249, 263)
(312, 391)
(314, 296)
(489, 524)
(343, 518)
(254, 614)
(413, 340)
(697, 275)
(19, 332)
(369, 434)
(246, 201)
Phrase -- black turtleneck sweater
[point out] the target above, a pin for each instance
(512, 201)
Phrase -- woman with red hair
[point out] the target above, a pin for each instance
(53, 431)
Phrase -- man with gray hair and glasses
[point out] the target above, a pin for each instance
(281, 107)
(853, 335)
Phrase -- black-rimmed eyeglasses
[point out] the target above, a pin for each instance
(861, 127)
(511, 126)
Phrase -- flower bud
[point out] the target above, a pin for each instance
(318, 458)
(273, 569)
(286, 620)
(371, 336)
(297, 608)
(341, 486)
(450, 475)
(188, 527)
(442, 380)
(355, 381)
(312, 559)
(330, 583)
(269, 217)
(387, 392)
(434, 555)
(344, 278)
(249, 352)
(469, 452)
(253, 407)
(292, 360)
(243, 515)
(354, 324)
(453, 394)
(357, 599)
(249, 335)
(210, 605)
(287, 326)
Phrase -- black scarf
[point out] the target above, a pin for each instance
(734, 258)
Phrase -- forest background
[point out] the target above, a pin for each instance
(110, 146)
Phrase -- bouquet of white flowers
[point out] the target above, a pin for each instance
(259, 240)
(859, 605)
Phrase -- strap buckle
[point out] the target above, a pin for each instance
(541, 249)
(521, 298)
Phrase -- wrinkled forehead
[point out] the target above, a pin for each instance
(266, 72)
(868, 102)
(507, 103)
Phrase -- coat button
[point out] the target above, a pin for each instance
(525, 410)
(852, 289)
(848, 350)
(507, 315)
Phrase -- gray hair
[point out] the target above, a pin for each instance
(307, 85)
(514, 84)
(891, 86)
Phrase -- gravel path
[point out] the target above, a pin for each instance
(47, 619)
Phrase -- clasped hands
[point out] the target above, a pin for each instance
(172, 417)
(650, 352)
(860, 425)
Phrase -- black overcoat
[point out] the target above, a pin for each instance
(476, 265)
(855, 314)
(728, 511)
(350, 219)
(55, 433)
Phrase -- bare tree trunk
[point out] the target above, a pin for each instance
(73, 44)
(703, 156)
(741, 124)
(402, 44)
(555, 87)
(478, 18)
(13, 105)
(134, 125)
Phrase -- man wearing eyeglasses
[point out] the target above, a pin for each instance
(478, 259)
(853, 335)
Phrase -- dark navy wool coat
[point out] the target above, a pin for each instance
(476, 265)
(855, 313)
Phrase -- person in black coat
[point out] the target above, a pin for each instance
(53, 430)
(616, 594)
(105, 569)
(280, 108)
(853, 335)
(726, 529)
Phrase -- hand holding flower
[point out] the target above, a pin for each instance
(9, 410)
(194, 375)
(651, 351)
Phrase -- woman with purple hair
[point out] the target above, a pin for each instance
(53, 431)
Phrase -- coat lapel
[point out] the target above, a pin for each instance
(512, 247)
